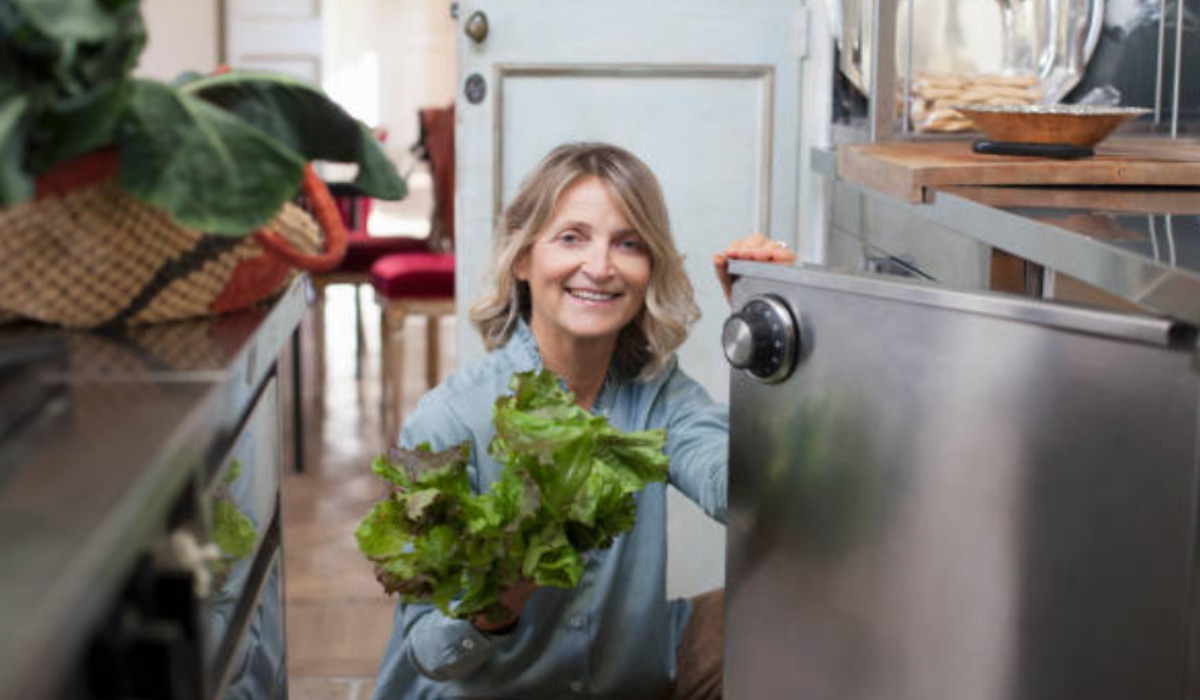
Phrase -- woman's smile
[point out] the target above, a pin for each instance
(592, 297)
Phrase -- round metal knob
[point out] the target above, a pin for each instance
(761, 339)
(738, 340)
(477, 27)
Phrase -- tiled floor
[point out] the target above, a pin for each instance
(338, 619)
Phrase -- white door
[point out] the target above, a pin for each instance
(707, 92)
(277, 35)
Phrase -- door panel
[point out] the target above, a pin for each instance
(707, 92)
(277, 35)
(713, 191)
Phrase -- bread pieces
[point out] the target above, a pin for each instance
(934, 96)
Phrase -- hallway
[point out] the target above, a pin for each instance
(338, 619)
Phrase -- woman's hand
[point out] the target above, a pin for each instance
(753, 247)
(513, 598)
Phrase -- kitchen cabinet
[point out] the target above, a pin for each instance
(957, 495)
(978, 478)
(140, 507)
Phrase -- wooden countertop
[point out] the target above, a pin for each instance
(911, 170)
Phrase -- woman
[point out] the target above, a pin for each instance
(588, 284)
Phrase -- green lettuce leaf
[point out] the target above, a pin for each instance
(233, 530)
(567, 486)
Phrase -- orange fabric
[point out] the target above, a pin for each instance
(78, 172)
(328, 218)
(252, 281)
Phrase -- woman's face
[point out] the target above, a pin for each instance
(587, 269)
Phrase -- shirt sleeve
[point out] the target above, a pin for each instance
(440, 647)
(697, 442)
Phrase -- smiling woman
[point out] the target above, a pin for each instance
(588, 283)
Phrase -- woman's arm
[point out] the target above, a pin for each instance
(697, 441)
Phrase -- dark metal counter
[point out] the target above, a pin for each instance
(91, 477)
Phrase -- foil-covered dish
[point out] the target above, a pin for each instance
(953, 52)
(1076, 125)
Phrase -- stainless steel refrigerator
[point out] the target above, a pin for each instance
(939, 495)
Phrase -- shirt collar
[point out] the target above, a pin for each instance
(523, 346)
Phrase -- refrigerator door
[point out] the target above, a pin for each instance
(960, 496)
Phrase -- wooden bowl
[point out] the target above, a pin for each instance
(1078, 125)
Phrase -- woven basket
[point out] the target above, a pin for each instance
(85, 254)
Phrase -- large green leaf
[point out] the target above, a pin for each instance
(68, 20)
(75, 126)
(96, 65)
(206, 167)
(70, 59)
(72, 45)
(15, 184)
(306, 120)
(377, 176)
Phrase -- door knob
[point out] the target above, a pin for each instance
(477, 26)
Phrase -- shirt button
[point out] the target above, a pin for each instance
(576, 686)
(578, 621)
(468, 644)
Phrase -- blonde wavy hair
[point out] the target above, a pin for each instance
(648, 341)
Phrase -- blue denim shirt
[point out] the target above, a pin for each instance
(612, 636)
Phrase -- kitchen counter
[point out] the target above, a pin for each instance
(1138, 244)
(121, 428)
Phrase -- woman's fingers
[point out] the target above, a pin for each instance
(756, 247)
(781, 253)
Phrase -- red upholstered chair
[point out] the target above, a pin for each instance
(419, 282)
(362, 250)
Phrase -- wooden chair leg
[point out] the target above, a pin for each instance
(360, 333)
(392, 353)
(432, 349)
(385, 373)
(318, 327)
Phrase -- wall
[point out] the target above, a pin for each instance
(181, 35)
(387, 59)
(383, 59)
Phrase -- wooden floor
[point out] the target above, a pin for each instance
(338, 620)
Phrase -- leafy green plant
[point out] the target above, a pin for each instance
(219, 153)
(232, 530)
(567, 486)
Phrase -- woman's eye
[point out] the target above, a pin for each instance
(570, 237)
(630, 244)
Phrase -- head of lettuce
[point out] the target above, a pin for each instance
(567, 486)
